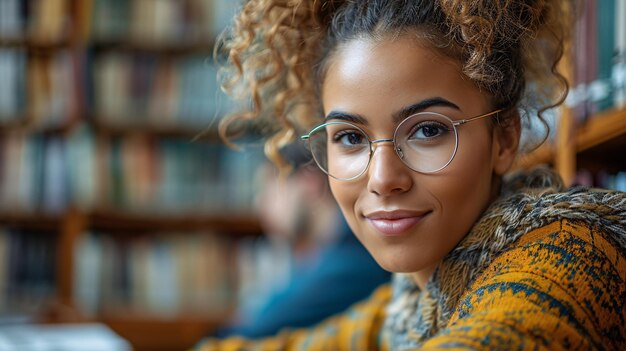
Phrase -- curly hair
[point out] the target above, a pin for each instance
(277, 52)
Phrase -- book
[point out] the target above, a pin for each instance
(605, 38)
(55, 190)
(12, 88)
(618, 72)
(4, 269)
(83, 174)
(110, 19)
(11, 19)
(88, 270)
(49, 21)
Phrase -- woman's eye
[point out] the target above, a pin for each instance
(349, 138)
(429, 130)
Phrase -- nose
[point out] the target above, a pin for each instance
(387, 174)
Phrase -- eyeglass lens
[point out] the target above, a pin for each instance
(426, 142)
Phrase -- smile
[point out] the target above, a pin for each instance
(396, 222)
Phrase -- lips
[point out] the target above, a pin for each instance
(393, 223)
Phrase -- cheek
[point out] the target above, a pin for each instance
(468, 185)
(342, 193)
(346, 194)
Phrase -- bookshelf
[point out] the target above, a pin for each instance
(591, 130)
(111, 165)
(596, 145)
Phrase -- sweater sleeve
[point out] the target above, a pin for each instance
(356, 329)
(561, 287)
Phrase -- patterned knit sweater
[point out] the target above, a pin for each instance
(543, 268)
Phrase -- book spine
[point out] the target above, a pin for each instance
(619, 66)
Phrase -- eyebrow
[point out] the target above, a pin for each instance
(421, 106)
(397, 116)
(346, 117)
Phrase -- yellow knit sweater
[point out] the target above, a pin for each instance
(560, 286)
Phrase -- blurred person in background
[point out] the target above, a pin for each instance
(329, 269)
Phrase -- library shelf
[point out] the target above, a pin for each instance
(66, 31)
(166, 48)
(27, 125)
(35, 44)
(598, 143)
(544, 154)
(104, 126)
(37, 221)
(164, 334)
(124, 221)
(601, 142)
(601, 128)
(15, 124)
(149, 332)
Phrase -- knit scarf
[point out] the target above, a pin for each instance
(528, 200)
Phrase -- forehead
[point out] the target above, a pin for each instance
(362, 52)
(391, 72)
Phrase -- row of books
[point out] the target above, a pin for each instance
(164, 275)
(27, 271)
(148, 89)
(160, 21)
(140, 90)
(38, 88)
(599, 52)
(142, 20)
(44, 20)
(140, 173)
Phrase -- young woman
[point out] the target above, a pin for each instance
(414, 110)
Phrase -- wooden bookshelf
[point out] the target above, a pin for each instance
(183, 47)
(544, 154)
(38, 221)
(601, 128)
(104, 127)
(164, 334)
(73, 35)
(115, 221)
(35, 44)
(598, 143)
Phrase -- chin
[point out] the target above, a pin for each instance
(396, 264)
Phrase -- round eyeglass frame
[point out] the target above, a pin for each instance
(398, 150)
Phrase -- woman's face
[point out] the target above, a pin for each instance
(407, 220)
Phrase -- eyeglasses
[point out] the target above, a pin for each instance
(426, 142)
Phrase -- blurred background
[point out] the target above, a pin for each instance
(122, 214)
(112, 208)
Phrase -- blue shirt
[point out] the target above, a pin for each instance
(345, 273)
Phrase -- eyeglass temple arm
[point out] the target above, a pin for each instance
(463, 121)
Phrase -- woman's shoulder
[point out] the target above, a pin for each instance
(569, 274)
(585, 216)
(568, 243)
(536, 211)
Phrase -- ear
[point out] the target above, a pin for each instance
(506, 138)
